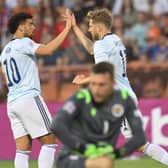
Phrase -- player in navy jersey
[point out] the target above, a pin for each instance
(28, 114)
(108, 47)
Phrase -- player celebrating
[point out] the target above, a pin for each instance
(89, 123)
(28, 114)
(108, 47)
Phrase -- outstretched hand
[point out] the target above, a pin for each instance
(73, 20)
(67, 17)
(79, 79)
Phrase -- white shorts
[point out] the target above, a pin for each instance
(29, 116)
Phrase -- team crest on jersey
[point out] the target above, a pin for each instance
(69, 107)
(117, 110)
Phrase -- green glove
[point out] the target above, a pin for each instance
(102, 150)
(90, 151)
(93, 152)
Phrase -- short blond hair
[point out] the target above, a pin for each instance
(103, 16)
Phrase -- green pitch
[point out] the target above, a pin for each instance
(140, 163)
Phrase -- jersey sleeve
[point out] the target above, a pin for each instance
(29, 46)
(138, 136)
(63, 120)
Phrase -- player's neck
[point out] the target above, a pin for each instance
(18, 35)
(104, 33)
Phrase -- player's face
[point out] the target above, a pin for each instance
(101, 86)
(94, 30)
(29, 28)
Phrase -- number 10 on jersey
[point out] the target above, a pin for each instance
(12, 72)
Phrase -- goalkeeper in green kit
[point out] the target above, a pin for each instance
(88, 124)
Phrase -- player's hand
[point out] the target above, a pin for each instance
(79, 79)
(104, 150)
(67, 17)
(90, 151)
(73, 21)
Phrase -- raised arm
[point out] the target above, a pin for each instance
(81, 80)
(49, 48)
(86, 42)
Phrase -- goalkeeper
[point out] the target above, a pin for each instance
(89, 123)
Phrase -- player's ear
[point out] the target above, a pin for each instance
(21, 28)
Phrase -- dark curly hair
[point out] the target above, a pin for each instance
(16, 20)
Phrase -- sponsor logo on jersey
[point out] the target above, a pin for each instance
(117, 110)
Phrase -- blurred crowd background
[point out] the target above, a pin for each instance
(141, 24)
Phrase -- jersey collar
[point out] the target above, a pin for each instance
(107, 35)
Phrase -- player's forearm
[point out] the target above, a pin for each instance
(49, 48)
(54, 44)
(138, 139)
(60, 127)
(86, 42)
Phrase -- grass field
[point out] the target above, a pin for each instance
(140, 163)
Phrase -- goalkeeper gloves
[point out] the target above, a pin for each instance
(92, 151)
(108, 149)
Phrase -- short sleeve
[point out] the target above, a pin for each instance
(30, 46)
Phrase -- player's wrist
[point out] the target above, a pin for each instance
(80, 147)
(117, 154)
(74, 26)
(68, 28)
